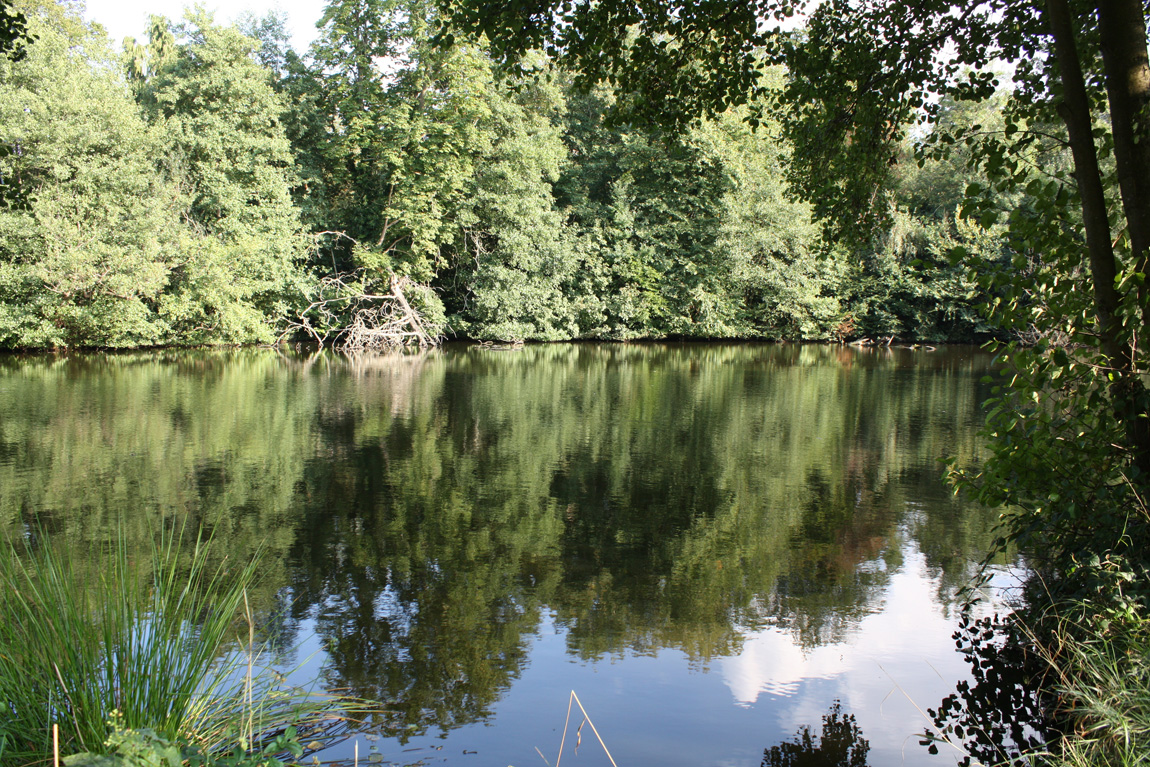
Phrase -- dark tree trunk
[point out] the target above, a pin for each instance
(1123, 43)
(1122, 30)
(1075, 112)
(1123, 36)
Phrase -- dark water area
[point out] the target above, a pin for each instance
(709, 544)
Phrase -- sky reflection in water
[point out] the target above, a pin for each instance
(665, 708)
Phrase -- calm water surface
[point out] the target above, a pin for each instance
(710, 544)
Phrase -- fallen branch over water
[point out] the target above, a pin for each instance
(346, 315)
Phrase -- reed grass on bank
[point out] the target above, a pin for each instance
(1103, 686)
(158, 639)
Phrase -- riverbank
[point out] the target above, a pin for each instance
(151, 657)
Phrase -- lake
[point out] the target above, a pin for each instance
(710, 544)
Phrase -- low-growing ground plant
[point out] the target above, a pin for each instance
(144, 748)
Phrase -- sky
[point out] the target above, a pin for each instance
(123, 18)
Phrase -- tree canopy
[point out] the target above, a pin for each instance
(280, 192)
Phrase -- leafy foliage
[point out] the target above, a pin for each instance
(133, 234)
(14, 34)
(145, 748)
(226, 152)
(517, 205)
(1052, 227)
(83, 256)
(14, 39)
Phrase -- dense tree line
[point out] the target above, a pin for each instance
(211, 185)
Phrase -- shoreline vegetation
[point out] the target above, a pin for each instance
(212, 186)
(111, 659)
(502, 344)
(209, 185)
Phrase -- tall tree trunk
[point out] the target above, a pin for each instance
(1075, 112)
(1123, 32)
(1122, 28)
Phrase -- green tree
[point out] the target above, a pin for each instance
(690, 232)
(84, 251)
(515, 267)
(404, 121)
(906, 284)
(648, 212)
(440, 171)
(775, 263)
(225, 150)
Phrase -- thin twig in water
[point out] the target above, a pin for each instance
(586, 720)
(249, 680)
(943, 737)
(593, 729)
(565, 723)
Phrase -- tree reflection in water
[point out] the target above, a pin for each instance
(425, 518)
(841, 744)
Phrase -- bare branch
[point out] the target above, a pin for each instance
(346, 316)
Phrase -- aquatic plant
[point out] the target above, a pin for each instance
(166, 641)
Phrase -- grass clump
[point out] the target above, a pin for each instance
(1102, 684)
(156, 643)
(1052, 689)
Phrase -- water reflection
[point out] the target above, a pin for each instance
(897, 632)
(438, 520)
(840, 743)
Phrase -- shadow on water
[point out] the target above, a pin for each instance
(997, 716)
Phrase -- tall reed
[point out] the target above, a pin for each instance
(1103, 685)
(151, 637)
